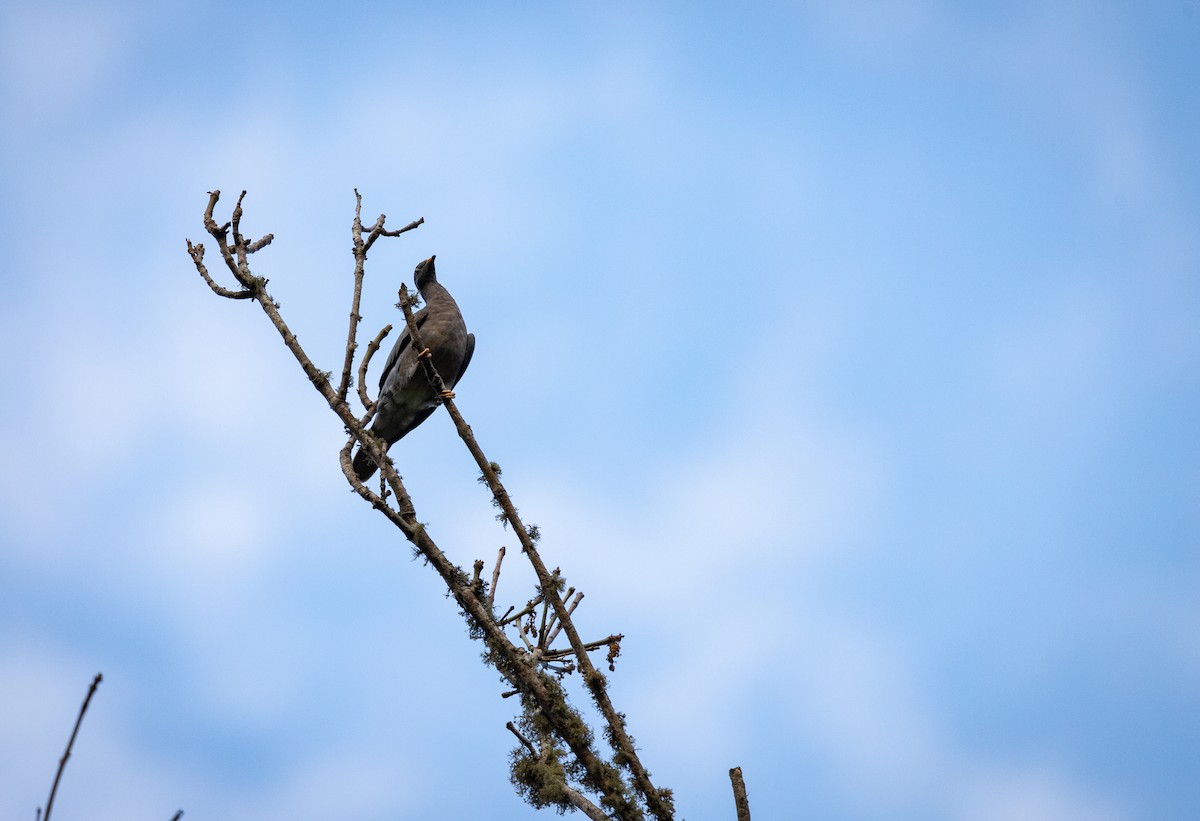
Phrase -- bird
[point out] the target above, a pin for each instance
(406, 399)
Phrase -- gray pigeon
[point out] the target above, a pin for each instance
(406, 399)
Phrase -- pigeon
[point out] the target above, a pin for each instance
(406, 399)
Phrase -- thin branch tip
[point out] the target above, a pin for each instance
(62, 762)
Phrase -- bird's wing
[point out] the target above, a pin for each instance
(470, 351)
(419, 417)
(401, 344)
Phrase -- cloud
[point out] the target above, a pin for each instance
(857, 696)
(1033, 791)
(218, 534)
(342, 782)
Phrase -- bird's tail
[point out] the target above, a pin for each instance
(364, 465)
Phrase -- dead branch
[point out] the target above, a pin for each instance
(495, 579)
(372, 347)
(512, 728)
(571, 609)
(361, 247)
(62, 762)
(740, 800)
(197, 254)
(591, 645)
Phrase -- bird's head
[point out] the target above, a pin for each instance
(424, 274)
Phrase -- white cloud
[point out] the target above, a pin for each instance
(217, 533)
(340, 783)
(99, 398)
(857, 693)
(85, 402)
(1032, 792)
(856, 690)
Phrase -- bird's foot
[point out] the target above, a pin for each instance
(425, 354)
(447, 394)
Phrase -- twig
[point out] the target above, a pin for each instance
(512, 728)
(495, 579)
(178, 814)
(360, 261)
(377, 230)
(361, 247)
(522, 632)
(552, 625)
(372, 347)
(520, 614)
(62, 762)
(541, 634)
(591, 645)
(574, 603)
(739, 794)
(196, 252)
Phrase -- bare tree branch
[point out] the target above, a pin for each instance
(542, 698)
(361, 247)
(570, 609)
(62, 762)
(591, 645)
(495, 579)
(372, 347)
(512, 728)
(579, 800)
(197, 254)
(541, 634)
(739, 794)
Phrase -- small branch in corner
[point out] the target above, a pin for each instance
(62, 762)
(739, 794)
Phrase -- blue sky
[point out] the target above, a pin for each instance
(847, 355)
